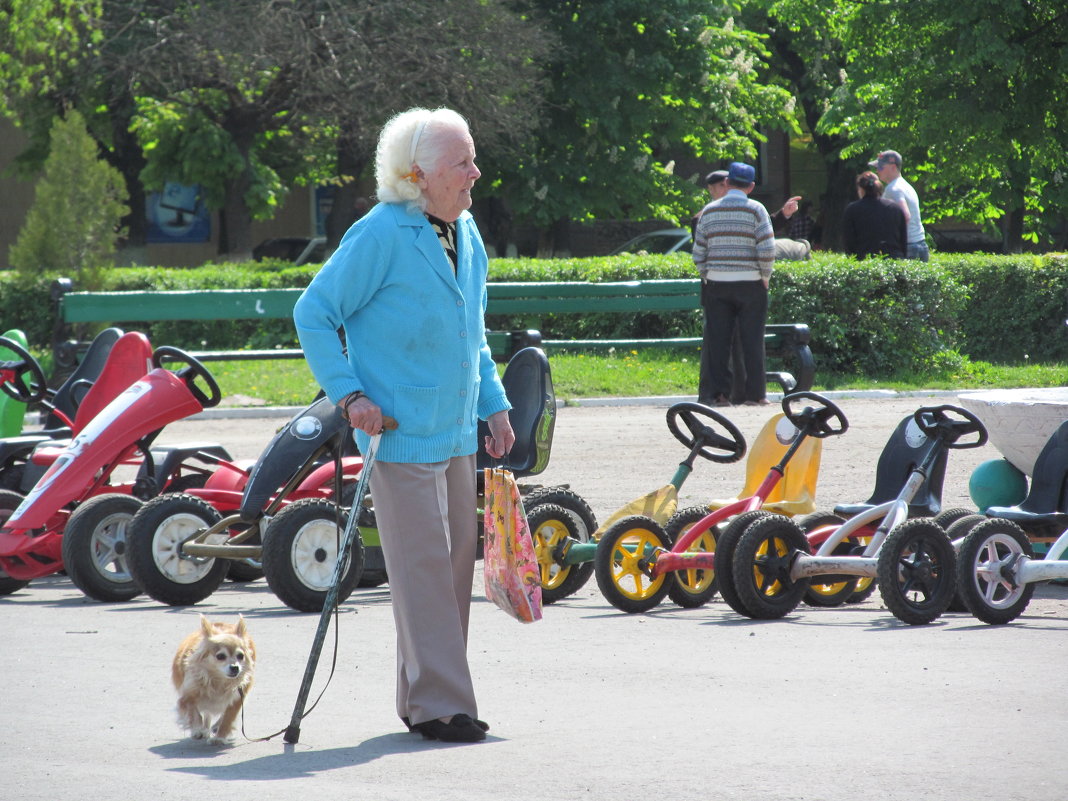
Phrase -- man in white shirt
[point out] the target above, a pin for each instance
(888, 165)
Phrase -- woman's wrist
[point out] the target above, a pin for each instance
(350, 399)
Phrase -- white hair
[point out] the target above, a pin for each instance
(409, 139)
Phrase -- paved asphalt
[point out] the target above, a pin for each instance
(588, 703)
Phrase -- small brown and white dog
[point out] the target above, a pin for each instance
(212, 672)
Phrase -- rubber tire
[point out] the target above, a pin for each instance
(152, 558)
(828, 593)
(311, 528)
(569, 579)
(763, 583)
(986, 596)
(726, 542)
(692, 589)
(610, 569)
(9, 502)
(549, 525)
(947, 517)
(96, 531)
(899, 578)
(959, 530)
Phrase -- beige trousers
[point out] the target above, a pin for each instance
(427, 521)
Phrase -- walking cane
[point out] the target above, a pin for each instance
(292, 733)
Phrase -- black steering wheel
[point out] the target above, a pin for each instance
(13, 374)
(950, 423)
(189, 374)
(815, 421)
(703, 438)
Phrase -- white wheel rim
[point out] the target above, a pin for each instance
(166, 543)
(996, 551)
(108, 547)
(313, 554)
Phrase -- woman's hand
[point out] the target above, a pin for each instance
(365, 415)
(501, 437)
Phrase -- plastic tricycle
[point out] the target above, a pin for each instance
(637, 561)
(772, 562)
(43, 536)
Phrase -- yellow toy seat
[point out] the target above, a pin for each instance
(795, 494)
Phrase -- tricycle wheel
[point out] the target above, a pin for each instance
(154, 550)
(559, 581)
(623, 560)
(828, 590)
(917, 571)
(761, 567)
(726, 542)
(300, 552)
(550, 525)
(947, 517)
(986, 575)
(94, 547)
(9, 502)
(696, 587)
(957, 531)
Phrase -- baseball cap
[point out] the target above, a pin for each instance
(886, 157)
(742, 173)
(715, 177)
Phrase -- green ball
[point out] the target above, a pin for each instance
(997, 482)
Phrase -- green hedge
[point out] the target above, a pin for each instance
(874, 317)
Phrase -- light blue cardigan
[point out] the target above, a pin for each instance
(415, 332)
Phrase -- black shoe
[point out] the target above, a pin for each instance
(480, 723)
(461, 729)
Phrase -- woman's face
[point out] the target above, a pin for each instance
(447, 188)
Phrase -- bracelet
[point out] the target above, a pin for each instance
(350, 399)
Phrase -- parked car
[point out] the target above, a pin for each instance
(297, 249)
(666, 240)
(670, 240)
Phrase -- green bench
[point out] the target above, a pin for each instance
(786, 342)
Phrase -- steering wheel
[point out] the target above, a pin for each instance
(703, 438)
(13, 374)
(190, 373)
(815, 421)
(945, 423)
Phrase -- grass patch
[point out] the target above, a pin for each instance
(645, 372)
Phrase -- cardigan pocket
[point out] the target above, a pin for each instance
(416, 410)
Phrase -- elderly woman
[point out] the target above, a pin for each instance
(873, 225)
(408, 286)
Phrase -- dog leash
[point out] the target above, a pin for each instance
(352, 529)
(330, 604)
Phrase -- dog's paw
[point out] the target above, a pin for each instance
(222, 741)
(200, 734)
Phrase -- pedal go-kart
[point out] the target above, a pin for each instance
(638, 562)
(997, 564)
(67, 410)
(555, 514)
(281, 514)
(17, 365)
(913, 559)
(43, 535)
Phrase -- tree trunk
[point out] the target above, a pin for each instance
(235, 221)
(348, 205)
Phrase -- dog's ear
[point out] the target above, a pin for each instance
(206, 626)
(240, 629)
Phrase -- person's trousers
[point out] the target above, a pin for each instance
(730, 304)
(918, 250)
(427, 521)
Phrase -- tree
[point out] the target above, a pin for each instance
(73, 226)
(975, 96)
(634, 85)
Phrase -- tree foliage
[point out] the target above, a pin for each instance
(73, 226)
(632, 85)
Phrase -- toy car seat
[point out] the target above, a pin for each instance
(84, 376)
(1046, 504)
(795, 494)
(902, 453)
(529, 385)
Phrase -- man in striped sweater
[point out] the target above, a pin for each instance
(734, 249)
